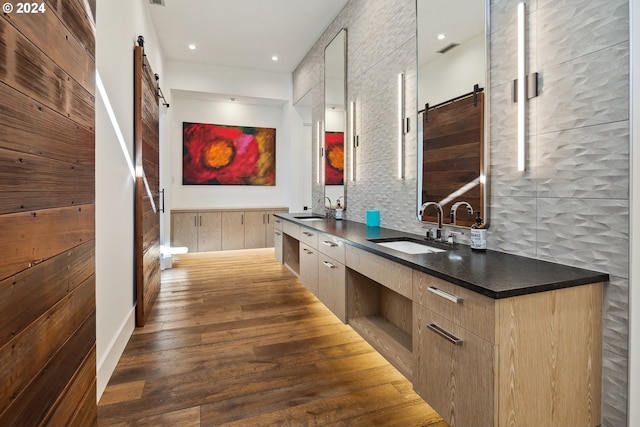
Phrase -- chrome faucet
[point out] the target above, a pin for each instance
(455, 207)
(327, 208)
(439, 207)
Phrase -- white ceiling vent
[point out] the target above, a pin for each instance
(445, 49)
(157, 2)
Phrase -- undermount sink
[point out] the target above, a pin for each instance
(407, 245)
(309, 218)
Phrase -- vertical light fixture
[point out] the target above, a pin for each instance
(319, 153)
(352, 136)
(401, 126)
(521, 86)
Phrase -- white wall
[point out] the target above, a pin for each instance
(264, 100)
(453, 74)
(119, 22)
(229, 196)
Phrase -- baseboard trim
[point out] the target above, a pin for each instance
(107, 365)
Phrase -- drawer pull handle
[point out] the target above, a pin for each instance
(444, 334)
(306, 233)
(277, 221)
(278, 233)
(307, 251)
(330, 243)
(328, 264)
(444, 294)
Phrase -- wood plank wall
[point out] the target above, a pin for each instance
(147, 152)
(452, 153)
(47, 225)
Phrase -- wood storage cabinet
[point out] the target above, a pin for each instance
(223, 229)
(529, 360)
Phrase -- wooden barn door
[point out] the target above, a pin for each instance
(47, 210)
(147, 208)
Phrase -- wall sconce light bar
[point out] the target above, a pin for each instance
(401, 126)
(521, 86)
(352, 136)
(318, 154)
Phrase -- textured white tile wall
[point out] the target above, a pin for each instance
(572, 204)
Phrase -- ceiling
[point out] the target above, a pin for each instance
(242, 33)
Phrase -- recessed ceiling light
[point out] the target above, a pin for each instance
(274, 58)
(192, 46)
(441, 36)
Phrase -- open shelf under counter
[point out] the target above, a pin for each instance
(390, 341)
(383, 317)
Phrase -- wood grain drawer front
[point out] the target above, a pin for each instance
(291, 229)
(465, 308)
(331, 246)
(390, 274)
(277, 223)
(309, 237)
(277, 243)
(456, 378)
(309, 268)
(331, 286)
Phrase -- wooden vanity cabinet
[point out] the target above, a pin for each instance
(309, 260)
(455, 377)
(331, 275)
(331, 285)
(527, 360)
(278, 239)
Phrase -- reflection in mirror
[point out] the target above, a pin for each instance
(452, 77)
(334, 118)
(303, 107)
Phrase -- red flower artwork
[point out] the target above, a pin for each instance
(334, 164)
(228, 155)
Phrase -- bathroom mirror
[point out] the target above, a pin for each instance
(452, 48)
(335, 118)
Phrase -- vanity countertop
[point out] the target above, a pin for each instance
(491, 273)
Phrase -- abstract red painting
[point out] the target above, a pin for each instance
(334, 164)
(228, 155)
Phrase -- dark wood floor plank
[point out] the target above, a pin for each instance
(236, 340)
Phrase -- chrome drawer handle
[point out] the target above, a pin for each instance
(307, 251)
(306, 233)
(444, 334)
(330, 243)
(444, 294)
(328, 264)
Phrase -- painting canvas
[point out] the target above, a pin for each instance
(228, 155)
(334, 164)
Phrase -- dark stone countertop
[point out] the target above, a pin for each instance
(491, 273)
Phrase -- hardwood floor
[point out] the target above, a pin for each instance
(235, 339)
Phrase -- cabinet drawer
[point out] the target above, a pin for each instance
(390, 274)
(331, 246)
(454, 370)
(277, 223)
(291, 229)
(466, 308)
(309, 237)
(309, 268)
(331, 286)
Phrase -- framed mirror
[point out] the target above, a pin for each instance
(452, 49)
(335, 90)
